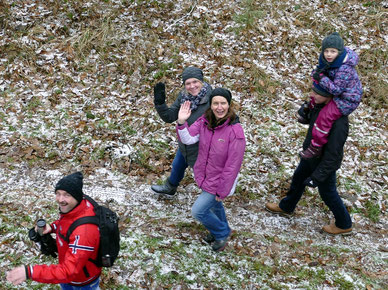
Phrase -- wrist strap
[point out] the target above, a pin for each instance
(27, 273)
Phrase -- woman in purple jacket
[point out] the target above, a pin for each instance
(221, 152)
(337, 76)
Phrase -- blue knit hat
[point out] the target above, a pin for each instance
(320, 91)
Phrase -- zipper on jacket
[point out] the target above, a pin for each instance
(207, 158)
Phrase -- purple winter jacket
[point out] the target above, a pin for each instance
(343, 83)
(220, 155)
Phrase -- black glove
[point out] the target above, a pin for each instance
(317, 75)
(310, 182)
(159, 94)
(320, 73)
(304, 113)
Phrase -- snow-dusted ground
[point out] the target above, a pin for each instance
(160, 238)
(76, 94)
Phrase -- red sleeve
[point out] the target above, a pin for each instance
(83, 244)
(54, 226)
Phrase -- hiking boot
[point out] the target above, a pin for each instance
(167, 189)
(311, 152)
(274, 208)
(219, 245)
(209, 238)
(332, 229)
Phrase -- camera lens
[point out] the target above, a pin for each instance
(32, 234)
(41, 223)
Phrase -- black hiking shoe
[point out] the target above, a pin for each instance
(167, 189)
(209, 238)
(219, 245)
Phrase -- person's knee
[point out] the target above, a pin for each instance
(194, 212)
(197, 213)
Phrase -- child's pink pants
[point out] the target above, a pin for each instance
(327, 116)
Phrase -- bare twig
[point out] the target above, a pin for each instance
(183, 17)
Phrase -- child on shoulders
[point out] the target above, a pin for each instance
(336, 74)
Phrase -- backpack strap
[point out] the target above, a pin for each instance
(83, 220)
(92, 201)
(78, 222)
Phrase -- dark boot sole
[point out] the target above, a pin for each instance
(339, 234)
(164, 195)
(221, 249)
(208, 241)
(282, 213)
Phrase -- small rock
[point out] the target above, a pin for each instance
(313, 264)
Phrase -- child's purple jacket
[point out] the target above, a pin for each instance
(343, 83)
(220, 155)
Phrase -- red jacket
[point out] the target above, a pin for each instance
(74, 266)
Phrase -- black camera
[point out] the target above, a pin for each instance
(47, 243)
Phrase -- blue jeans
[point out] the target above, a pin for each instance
(95, 285)
(327, 190)
(179, 166)
(211, 214)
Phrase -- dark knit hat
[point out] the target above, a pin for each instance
(221, 92)
(333, 40)
(192, 72)
(320, 91)
(72, 184)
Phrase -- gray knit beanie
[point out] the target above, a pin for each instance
(333, 40)
(192, 72)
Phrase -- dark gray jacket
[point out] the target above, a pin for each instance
(170, 114)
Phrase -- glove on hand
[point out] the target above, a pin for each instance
(317, 76)
(310, 183)
(159, 94)
(320, 73)
(303, 113)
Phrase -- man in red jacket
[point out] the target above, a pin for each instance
(76, 269)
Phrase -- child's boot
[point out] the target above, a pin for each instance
(311, 152)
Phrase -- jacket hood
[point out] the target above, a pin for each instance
(352, 57)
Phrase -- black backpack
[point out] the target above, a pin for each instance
(108, 223)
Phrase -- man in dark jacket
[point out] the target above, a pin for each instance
(197, 92)
(320, 172)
